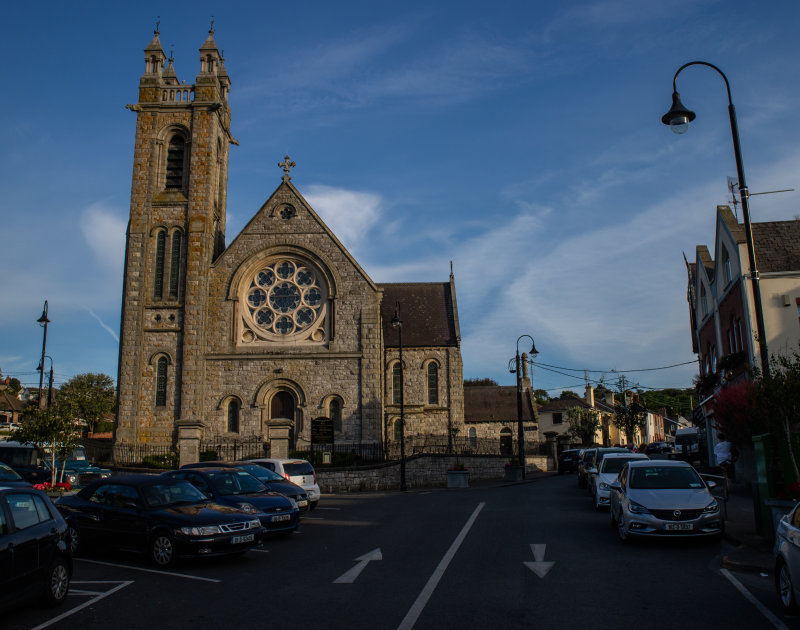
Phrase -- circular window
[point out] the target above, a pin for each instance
(285, 297)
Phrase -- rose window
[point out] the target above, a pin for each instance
(285, 298)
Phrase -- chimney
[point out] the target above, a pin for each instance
(589, 395)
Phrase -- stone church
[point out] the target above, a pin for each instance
(256, 336)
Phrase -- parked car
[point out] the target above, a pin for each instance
(272, 480)
(590, 460)
(35, 558)
(238, 488)
(657, 448)
(663, 498)
(568, 460)
(595, 464)
(299, 471)
(9, 478)
(607, 472)
(787, 560)
(35, 465)
(165, 518)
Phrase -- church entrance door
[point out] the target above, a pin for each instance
(282, 422)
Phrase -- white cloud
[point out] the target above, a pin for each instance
(350, 214)
(104, 231)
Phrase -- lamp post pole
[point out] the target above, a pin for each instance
(678, 118)
(43, 321)
(398, 323)
(520, 428)
(50, 381)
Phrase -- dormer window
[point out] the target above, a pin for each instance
(175, 162)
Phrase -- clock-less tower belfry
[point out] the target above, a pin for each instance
(251, 340)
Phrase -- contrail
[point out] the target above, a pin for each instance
(103, 324)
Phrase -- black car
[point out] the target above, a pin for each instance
(568, 460)
(166, 518)
(657, 448)
(238, 488)
(10, 479)
(35, 558)
(272, 480)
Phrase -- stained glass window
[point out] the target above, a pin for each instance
(158, 280)
(161, 382)
(175, 265)
(175, 159)
(433, 383)
(335, 414)
(396, 383)
(233, 416)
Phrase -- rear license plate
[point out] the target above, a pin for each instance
(235, 540)
(281, 517)
(302, 503)
(678, 526)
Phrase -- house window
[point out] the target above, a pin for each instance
(433, 383)
(335, 414)
(473, 438)
(175, 265)
(731, 344)
(739, 338)
(175, 161)
(703, 301)
(158, 280)
(233, 416)
(161, 382)
(558, 418)
(396, 383)
(726, 266)
(713, 359)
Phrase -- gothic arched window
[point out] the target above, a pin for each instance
(175, 265)
(397, 383)
(473, 438)
(397, 429)
(175, 162)
(335, 414)
(433, 383)
(233, 416)
(158, 277)
(161, 382)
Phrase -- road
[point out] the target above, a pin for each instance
(438, 559)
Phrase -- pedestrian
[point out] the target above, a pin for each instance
(725, 454)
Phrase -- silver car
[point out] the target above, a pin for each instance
(787, 560)
(663, 498)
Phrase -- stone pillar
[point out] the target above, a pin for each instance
(279, 431)
(552, 449)
(189, 435)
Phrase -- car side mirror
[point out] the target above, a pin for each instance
(131, 505)
(615, 485)
(711, 484)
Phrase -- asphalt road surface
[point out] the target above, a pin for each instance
(529, 555)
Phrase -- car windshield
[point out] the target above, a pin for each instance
(665, 478)
(298, 468)
(235, 482)
(163, 494)
(6, 474)
(261, 473)
(612, 465)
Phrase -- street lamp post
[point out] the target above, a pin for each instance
(50, 381)
(398, 323)
(43, 321)
(678, 119)
(520, 431)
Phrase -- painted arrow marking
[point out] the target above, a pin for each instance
(539, 567)
(350, 576)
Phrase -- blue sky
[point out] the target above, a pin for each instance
(521, 140)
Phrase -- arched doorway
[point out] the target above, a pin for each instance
(506, 442)
(284, 407)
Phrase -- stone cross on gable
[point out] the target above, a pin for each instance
(286, 165)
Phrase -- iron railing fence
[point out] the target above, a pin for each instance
(343, 454)
(220, 448)
(440, 445)
(146, 456)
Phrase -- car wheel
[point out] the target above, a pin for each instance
(622, 531)
(73, 540)
(613, 520)
(596, 501)
(783, 584)
(162, 550)
(56, 585)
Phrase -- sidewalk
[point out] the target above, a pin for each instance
(753, 552)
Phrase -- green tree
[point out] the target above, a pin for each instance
(52, 430)
(91, 395)
(584, 423)
(474, 382)
(541, 396)
(568, 393)
(630, 414)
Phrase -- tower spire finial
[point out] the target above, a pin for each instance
(211, 30)
(158, 25)
(286, 165)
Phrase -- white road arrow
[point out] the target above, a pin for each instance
(350, 576)
(539, 567)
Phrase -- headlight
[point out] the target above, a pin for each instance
(293, 502)
(254, 524)
(72, 479)
(247, 507)
(103, 475)
(711, 508)
(604, 486)
(200, 531)
(636, 508)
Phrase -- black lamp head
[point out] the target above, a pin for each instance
(678, 117)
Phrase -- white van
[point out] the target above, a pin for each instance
(687, 443)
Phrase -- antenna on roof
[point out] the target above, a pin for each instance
(733, 183)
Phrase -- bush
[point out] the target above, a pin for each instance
(208, 456)
(167, 461)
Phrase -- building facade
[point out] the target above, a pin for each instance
(258, 337)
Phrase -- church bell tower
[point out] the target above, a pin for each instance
(175, 231)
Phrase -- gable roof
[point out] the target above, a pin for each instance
(494, 403)
(10, 403)
(427, 310)
(562, 404)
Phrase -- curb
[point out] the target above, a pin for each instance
(735, 565)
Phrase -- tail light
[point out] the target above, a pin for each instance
(315, 476)
(286, 476)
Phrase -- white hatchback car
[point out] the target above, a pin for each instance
(299, 471)
(609, 469)
(787, 560)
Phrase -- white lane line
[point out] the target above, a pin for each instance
(329, 508)
(89, 602)
(752, 599)
(170, 573)
(260, 550)
(416, 609)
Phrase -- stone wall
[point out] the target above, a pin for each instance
(421, 471)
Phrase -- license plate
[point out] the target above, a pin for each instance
(281, 517)
(302, 503)
(678, 526)
(235, 540)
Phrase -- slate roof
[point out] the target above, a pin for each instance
(562, 404)
(427, 311)
(777, 246)
(10, 403)
(494, 403)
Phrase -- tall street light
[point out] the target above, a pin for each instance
(43, 321)
(398, 323)
(50, 382)
(678, 119)
(520, 432)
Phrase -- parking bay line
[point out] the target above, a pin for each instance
(89, 602)
(171, 573)
(752, 599)
(416, 609)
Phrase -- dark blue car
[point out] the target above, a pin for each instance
(235, 487)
